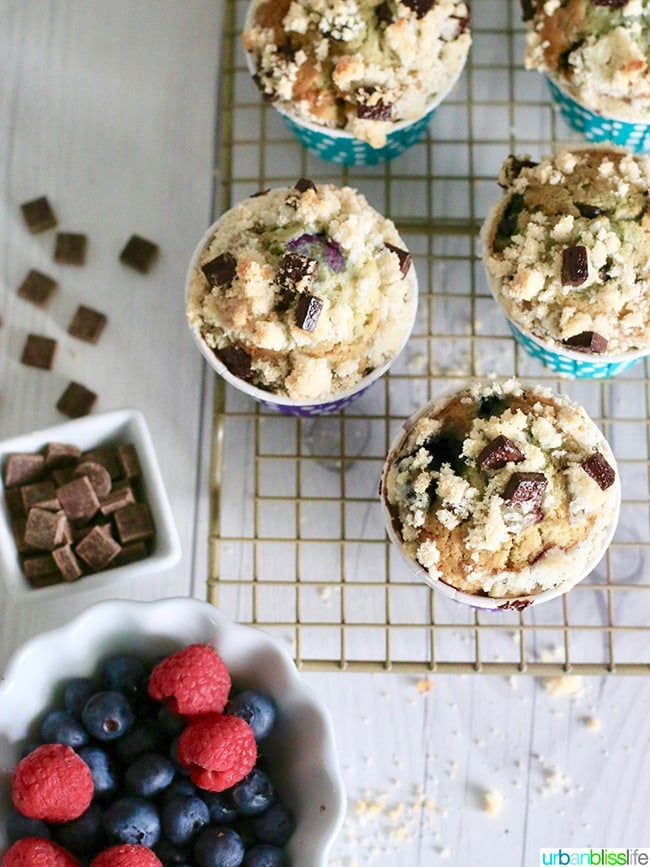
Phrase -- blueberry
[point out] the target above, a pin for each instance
(255, 708)
(76, 693)
(102, 770)
(149, 774)
(85, 835)
(125, 674)
(171, 723)
(132, 820)
(180, 787)
(274, 825)
(182, 819)
(171, 856)
(218, 846)
(19, 826)
(265, 855)
(173, 755)
(108, 715)
(144, 737)
(254, 794)
(222, 811)
(60, 727)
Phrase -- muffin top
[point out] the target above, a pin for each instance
(598, 49)
(567, 249)
(358, 65)
(502, 490)
(303, 291)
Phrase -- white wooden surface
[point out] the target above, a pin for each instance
(109, 108)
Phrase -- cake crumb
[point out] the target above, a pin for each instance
(492, 802)
(424, 685)
(592, 723)
(564, 684)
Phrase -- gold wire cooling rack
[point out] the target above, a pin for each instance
(297, 544)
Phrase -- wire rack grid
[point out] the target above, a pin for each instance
(297, 544)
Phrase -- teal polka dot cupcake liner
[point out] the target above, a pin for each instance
(575, 364)
(338, 146)
(597, 128)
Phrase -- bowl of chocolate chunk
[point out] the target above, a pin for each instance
(83, 502)
(357, 82)
(566, 252)
(301, 297)
(500, 495)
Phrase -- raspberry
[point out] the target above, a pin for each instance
(126, 855)
(191, 681)
(218, 752)
(37, 852)
(52, 783)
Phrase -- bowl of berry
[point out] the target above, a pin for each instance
(142, 734)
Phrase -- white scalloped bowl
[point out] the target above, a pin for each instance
(301, 750)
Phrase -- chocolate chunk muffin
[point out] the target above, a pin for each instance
(597, 49)
(501, 490)
(303, 291)
(358, 65)
(567, 248)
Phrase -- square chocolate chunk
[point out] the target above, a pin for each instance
(128, 459)
(21, 468)
(37, 288)
(38, 215)
(308, 310)
(97, 549)
(38, 351)
(76, 400)
(105, 455)
(67, 563)
(87, 324)
(59, 455)
(404, 257)
(220, 271)
(78, 499)
(599, 469)
(41, 571)
(133, 523)
(139, 253)
(70, 248)
(46, 530)
(41, 494)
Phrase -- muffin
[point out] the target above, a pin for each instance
(501, 491)
(361, 66)
(595, 54)
(566, 251)
(302, 293)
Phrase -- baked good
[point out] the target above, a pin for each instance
(597, 50)
(302, 291)
(358, 65)
(501, 490)
(567, 247)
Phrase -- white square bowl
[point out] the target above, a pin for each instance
(108, 428)
(300, 751)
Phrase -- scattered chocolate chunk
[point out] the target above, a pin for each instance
(221, 270)
(259, 193)
(383, 13)
(87, 324)
(37, 288)
(38, 351)
(46, 530)
(528, 9)
(318, 246)
(41, 571)
(296, 273)
(41, 495)
(405, 258)
(512, 168)
(600, 471)
(116, 499)
(371, 106)
(237, 360)
(59, 455)
(67, 563)
(127, 457)
(589, 212)
(575, 265)
(498, 453)
(507, 226)
(79, 499)
(76, 400)
(525, 488)
(587, 341)
(139, 253)
(97, 549)
(420, 7)
(308, 310)
(133, 523)
(98, 476)
(70, 248)
(21, 468)
(304, 184)
(38, 215)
